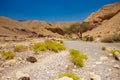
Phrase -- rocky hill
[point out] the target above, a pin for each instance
(106, 21)
(11, 29)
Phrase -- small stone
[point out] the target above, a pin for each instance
(103, 58)
(1, 69)
(98, 62)
(24, 78)
(20, 74)
(116, 66)
(64, 78)
(93, 76)
(31, 59)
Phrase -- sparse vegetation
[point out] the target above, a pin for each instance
(78, 28)
(112, 38)
(19, 48)
(115, 53)
(54, 46)
(77, 57)
(70, 75)
(87, 38)
(36, 47)
(47, 45)
(103, 48)
(7, 54)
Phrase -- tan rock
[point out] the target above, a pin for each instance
(9, 63)
(93, 76)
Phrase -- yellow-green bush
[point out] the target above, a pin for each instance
(36, 47)
(7, 54)
(114, 51)
(70, 75)
(77, 57)
(54, 46)
(47, 45)
(19, 48)
(103, 48)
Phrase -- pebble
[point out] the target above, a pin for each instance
(94, 76)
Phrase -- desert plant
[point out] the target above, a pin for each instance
(54, 46)
(70, 75)
(19, 48)
(48, 45)
(112, 38)
(77, 57)
(8, 54)
(36, 47)
(115, 53)
(103, 48)
(78, 28)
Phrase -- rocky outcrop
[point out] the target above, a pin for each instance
(104, 14)
(107, 19)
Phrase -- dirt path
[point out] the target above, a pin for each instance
(50, 66)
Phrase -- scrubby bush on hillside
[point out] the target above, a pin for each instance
(70, 75)
(78, 28)
(77, 57)
(112, 38)
(87, 38)
(7, 54)
(19, 48)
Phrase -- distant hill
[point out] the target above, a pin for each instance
(106, 21)
(11, 29)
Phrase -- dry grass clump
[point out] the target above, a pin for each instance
(103, 48)
(7, 54)
(112, 38)
(77, 57)
(20, 48)
(47, 45)
(70, 75)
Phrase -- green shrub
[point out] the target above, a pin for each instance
(19, 48)
(103, 48)
(70, 75)
(77, 57)
(114, 51)
(47, 45)
(87, 38)
(7, 54)
(36, 47)
(54, 46)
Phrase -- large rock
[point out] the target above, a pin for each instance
(31, 59)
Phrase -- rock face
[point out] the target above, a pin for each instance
(105, 13)
(106, 20)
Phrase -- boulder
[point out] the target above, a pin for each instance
(31, 59)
